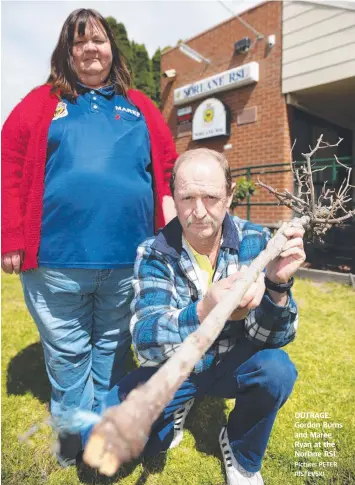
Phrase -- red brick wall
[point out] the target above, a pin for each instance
(268, 139)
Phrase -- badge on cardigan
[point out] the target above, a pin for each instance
(60, 111)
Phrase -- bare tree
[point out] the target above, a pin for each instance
(124, 430)
(330, 208)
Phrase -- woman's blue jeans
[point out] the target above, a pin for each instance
(83, 319)
(259, 380)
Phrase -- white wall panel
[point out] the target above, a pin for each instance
(321, 76)
(318, 45)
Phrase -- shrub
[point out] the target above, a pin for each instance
(243, 188)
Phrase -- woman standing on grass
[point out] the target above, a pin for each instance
(80, 156)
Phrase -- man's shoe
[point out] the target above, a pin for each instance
(236, 475)
(179, 421)
(68, 449)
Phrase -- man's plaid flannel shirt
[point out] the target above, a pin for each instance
(167, 289)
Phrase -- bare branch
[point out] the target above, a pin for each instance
(319, 169)
(338, 161)
(324, 210)
(293, 197)
(337, 220)
(290, 158)
(319, 146)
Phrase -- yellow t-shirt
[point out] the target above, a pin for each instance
(204, 264)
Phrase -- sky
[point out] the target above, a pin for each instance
(30, 29)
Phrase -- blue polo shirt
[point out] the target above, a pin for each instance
(98, 199)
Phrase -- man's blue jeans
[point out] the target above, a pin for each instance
(83, 319)
(259, 380)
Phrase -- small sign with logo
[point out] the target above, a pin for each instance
(211, 118)
(184, 115)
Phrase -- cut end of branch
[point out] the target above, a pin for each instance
(109, 465)
(96, 456)
(94, 451)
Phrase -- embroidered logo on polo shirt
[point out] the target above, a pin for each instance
(60, 111)
(122, 109)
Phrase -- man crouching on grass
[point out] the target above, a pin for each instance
(179, 276)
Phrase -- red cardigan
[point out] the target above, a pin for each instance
(24, 149)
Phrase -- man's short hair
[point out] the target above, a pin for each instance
(200, 153)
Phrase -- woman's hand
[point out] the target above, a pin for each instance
(168, 208)
(12, 261)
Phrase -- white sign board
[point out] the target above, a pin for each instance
(233, 78)
(210, 119)
(184, 111)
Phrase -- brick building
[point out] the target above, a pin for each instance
(263, 93)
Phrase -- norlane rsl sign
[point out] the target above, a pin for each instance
(233, 78)
(211, 118)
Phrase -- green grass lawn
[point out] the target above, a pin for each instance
(323, 353)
